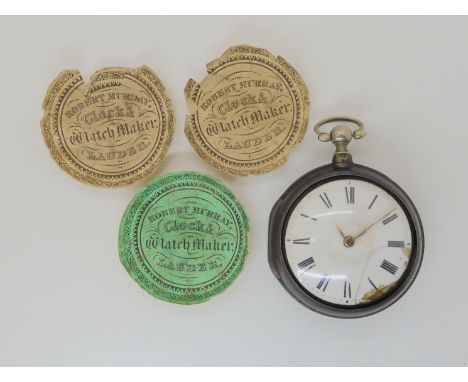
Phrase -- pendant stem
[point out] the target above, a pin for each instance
(341, 136)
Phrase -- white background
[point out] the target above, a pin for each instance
(65, 298)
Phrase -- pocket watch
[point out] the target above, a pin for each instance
(345, 240)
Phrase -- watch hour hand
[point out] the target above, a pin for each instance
(341, 232)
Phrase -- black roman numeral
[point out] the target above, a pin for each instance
(397, 244)
(349, 195)
(372, 203)
(302, 241)
(325, 200)
(389, 219)
(323, 283)
(307, 217)
(389, 267)
(307, 263)
(371, 283)
(347, 289)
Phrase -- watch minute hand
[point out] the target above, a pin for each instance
(373, 224)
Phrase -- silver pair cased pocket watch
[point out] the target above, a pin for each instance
(345, 240)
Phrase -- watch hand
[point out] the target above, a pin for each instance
(341, 232)
(348, 241)
(373, 224)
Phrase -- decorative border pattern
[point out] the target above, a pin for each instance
(130, 255)
(301, 98)
(61, 87)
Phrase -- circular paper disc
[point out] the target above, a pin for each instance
(248, 113)
(183, 238)
(112, 131)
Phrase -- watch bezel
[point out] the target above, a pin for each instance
(277, 254)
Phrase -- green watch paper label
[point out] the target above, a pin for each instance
(183, 238)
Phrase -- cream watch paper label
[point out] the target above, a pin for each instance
(110, 132)
(248, 113)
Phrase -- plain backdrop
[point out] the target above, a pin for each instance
(65, 298)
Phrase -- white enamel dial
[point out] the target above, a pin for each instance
(348, 242)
